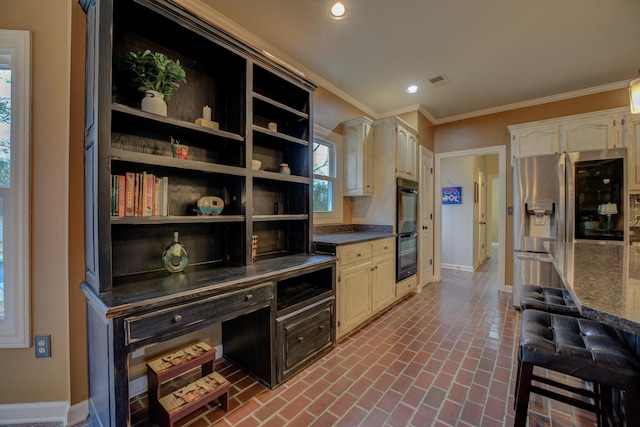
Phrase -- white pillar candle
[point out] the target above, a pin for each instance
(206, 112)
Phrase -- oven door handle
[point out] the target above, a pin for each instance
(405, 235)
(409, 190)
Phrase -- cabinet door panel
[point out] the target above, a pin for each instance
(383, 282)
(536, 141)
(354, 297)
(633, 131)
(303, 337)
(592, 134)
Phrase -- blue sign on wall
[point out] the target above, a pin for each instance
(451, 195)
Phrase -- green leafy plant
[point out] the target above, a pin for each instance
(154, 71)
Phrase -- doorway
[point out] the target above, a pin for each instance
(501, 224)
(425, 213)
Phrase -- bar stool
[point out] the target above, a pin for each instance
(552, 300)
(581, 348)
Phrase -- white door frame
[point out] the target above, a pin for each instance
(501, 151)
(425, 278)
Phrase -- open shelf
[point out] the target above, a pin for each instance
(137, 251)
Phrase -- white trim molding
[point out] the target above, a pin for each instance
(39, 412)
(15, 328)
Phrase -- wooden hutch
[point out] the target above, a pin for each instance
(277, 311)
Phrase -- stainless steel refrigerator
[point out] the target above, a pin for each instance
(538, 216)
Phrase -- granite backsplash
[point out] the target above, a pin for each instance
(351, 228)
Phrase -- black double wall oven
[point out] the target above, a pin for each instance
(406, 228)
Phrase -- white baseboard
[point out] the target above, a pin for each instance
(38, 412)
(457, 267)
(42, 412)
(78, 413)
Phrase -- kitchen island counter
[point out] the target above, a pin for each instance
(604, 280)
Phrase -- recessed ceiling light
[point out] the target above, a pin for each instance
(338, 11)
(412, 89)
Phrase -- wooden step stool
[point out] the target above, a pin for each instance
(169, 409)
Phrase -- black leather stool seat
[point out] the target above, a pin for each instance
(552, 300)
(578, 347)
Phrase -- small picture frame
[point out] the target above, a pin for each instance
(451, 195)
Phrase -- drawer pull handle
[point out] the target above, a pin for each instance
(321, 327)
(386, 247)
(248, 297)
(177, 318)
(359, 255)
(300, 339)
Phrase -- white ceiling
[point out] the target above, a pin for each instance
(495, 53)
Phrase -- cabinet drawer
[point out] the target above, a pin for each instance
(406, 286)
(382, 247)
(214, 309)
(350, 254)
(303, 337)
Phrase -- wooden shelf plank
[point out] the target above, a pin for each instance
(121, 108)
(280, 105)
(279, 135)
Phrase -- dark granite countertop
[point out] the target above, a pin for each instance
(604, 280)
(349, 238)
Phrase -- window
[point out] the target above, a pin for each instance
(327, 183)
(15, 172)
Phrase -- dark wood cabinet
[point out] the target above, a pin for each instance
(304, 334)
(264, 112)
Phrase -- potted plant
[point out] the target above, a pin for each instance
(157, 76)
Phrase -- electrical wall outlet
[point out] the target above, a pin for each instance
(43, 345)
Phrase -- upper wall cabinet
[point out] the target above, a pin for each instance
(632, 136)
(406, 148)
(591, 131)
(534, 140)
(600, 130)
(358, 154)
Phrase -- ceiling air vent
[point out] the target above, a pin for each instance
(438, 81)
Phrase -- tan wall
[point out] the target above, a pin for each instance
(491, 130)
(426, 133)
(330, 110)
(25, 378)
(77, 306)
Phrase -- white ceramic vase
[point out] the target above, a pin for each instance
(153, 102)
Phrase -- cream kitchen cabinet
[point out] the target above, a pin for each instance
(590, 131)
(534, 140)
(366, 282)
(632, 136)
(594, 132)
(406, 147)
(383, 283)
(358, 154)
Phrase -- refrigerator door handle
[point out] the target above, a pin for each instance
(534, 257)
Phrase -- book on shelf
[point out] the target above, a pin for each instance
(147, 192)
(139, 194)
(129, 207)
(121, 194)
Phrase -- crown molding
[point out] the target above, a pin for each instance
(534, 102)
